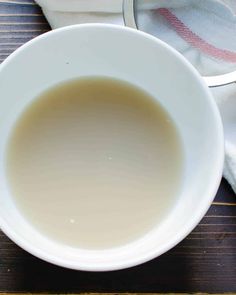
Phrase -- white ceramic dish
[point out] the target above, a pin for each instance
(123, 53)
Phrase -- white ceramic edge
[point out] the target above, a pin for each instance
(209, 193)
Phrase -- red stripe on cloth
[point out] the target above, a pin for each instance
(195, 40)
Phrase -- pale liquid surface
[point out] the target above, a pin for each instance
(94, 163)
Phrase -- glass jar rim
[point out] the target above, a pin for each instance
(211, 81)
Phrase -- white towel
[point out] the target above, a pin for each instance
(204, 31)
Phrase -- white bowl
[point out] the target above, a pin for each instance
(106, 50)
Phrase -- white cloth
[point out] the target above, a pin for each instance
(204, 31)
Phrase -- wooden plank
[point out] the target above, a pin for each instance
(116, 293)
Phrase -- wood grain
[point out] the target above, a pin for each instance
(110, 293)
(114, 293)
(204, 262)
(20, 21)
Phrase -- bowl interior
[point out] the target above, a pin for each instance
(126, 54)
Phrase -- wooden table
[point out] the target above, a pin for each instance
(204, 262)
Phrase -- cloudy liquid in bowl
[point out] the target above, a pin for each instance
(94, 163)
